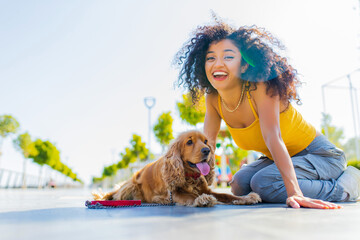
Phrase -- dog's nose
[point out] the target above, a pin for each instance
(205, 151)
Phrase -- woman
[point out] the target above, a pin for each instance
(250, 87)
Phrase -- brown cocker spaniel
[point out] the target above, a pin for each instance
(185, 173)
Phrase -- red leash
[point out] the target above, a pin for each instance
(113, 203)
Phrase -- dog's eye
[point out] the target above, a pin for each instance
(189, 142)
(205, 141)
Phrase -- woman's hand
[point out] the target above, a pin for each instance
(301, 201)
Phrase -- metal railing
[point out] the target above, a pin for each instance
(121, 175)
(15, 179)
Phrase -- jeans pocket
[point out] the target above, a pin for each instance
(329, 152)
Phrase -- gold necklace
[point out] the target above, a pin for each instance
(241, 97)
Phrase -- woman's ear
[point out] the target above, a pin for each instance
(173, 168)
(243, 68)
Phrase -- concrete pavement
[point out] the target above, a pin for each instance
(61, 214)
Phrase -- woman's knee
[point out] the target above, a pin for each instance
(240, 184)
(257, 184)
(270, 188)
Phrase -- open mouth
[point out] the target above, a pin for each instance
(193, 165)
(203, 167)
(220, 75)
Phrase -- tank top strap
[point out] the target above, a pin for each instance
(251, 105)
(219, 103)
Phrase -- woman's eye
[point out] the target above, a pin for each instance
(205, 141)
(229, 57)
(189, 142)
(210, 58)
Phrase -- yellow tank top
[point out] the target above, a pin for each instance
(296, 133)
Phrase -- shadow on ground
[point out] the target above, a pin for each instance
(82, 213)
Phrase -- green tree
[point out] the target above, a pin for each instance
(26, 146)
(235, 153)
(163, 129)
(58, 166)
(333, 133)
(236, 157)
(190, 113)
(110, 170)
(350, 149)
(8, 125)
(138, 148)
(47, 153)
(126, 158)
(136, 151)
(66, 170)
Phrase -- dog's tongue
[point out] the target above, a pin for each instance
(203, 167)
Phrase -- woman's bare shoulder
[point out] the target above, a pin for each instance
(212, 99)
(262, 96)
(260, 89)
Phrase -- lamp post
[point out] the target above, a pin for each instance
(149, 103)
(357, 149)
(356, 116)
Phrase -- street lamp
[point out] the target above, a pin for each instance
(149, 103)
(352, 90)
(357, 149)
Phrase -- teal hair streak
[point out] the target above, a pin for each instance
(247, 59)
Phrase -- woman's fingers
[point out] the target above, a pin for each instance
(327, 204)
(292, 203)
(300, 201)
(307, 202)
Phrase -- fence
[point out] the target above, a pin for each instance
(121, 175)
(14, 179)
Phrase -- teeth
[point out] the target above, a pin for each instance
(220, 74)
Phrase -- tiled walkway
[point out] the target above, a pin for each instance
(61, 214)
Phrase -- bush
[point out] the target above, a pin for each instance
(354, 163)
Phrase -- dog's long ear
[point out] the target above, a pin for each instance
(210, 177)
(173, 169)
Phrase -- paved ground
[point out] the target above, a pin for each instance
(61, 214)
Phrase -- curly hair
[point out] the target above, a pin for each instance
(256, 47)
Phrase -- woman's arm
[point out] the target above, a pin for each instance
(212, 119)
(268, 110)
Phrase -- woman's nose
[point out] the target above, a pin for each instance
(219, 62)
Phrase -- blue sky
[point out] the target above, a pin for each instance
(76, 72)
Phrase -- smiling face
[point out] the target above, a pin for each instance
(222, 65)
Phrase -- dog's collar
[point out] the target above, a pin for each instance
(193, 175)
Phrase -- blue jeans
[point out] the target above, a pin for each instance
(317, 167)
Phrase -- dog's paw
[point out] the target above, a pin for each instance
(98, 195)
(254, 197)
(161, 200)
(251, 198)
(205, 200)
